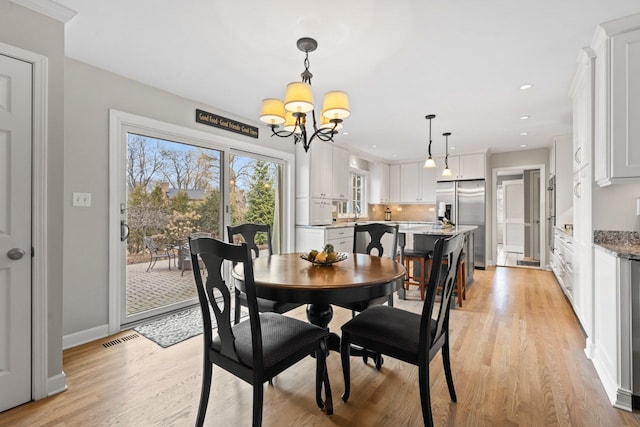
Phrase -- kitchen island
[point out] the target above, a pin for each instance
(424, 236)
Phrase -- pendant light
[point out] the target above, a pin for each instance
(430, 163)
(446, 171)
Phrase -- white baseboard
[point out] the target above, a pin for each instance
(83, 337)
(56, 384)
(618, 397)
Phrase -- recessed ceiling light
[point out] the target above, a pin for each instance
(345, 133)
(524, 133)
(524, 117)
(452, 148)
(526, 86)
(374, 146)
(395, 155)
(523, 145)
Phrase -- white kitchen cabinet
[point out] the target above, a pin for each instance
(417, 183)
(313, 211)
(394, 184)
(308, 238)
(617, 97)
(612, 354)
(562, 262)
(340, 175)
(463, 167)
(582, 95)
(322, 172)
(314, 171)
(379, 183)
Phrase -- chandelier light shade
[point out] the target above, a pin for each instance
(430, 163)
(336, 105)
(298, 103)
(446, 171)
(298, 97)
(272, 111)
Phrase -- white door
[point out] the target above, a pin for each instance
(513, 202)
(15, 232)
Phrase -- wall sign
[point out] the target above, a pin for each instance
(225, 123)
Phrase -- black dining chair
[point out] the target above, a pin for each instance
(411, 337)
(247, 233)
(368, 239)
(258, 348)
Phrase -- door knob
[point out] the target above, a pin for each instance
(15, 253)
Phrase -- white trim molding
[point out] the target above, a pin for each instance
(83, 337)
(49, 8)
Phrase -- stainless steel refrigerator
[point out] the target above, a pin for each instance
(465, 205)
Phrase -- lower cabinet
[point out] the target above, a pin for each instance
(562, 262)
(613, 326)
(308, 238)
(313, 211)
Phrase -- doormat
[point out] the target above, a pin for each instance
(177, 327)
(529, 262)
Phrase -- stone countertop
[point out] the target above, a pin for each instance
(409, 227)
(351, 224)
(622, 244)
(435, 230)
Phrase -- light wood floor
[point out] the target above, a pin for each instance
(517, 359)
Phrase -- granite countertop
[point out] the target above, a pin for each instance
(622, 244)
(352, 223)
(433, 229)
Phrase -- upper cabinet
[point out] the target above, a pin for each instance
(582, 95)
(323, 172)
(340, 176)
(379, 183)
(463, 166)
(617, 101)
(417, 183)
(394, 183)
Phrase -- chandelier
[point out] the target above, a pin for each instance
(430, 163)
(298, 102)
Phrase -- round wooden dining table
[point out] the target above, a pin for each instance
(289, 278)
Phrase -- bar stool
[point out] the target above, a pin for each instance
(422, 257)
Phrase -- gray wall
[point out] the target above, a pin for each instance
(23, 28)
(507, 160)
(89, 94)
(614, 207)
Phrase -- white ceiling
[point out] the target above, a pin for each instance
(462, 60)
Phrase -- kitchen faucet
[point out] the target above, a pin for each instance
(356, 211)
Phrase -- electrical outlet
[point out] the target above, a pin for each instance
(82, 199)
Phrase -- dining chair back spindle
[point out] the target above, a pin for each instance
(258, 348)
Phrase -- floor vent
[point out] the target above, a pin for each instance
(120, 340)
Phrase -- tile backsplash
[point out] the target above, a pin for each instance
(417, 212)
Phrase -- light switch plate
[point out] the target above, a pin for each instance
(82, 199)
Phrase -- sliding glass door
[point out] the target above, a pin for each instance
(173, 191)
(255, 193)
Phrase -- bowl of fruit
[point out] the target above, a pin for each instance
(327, 256)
